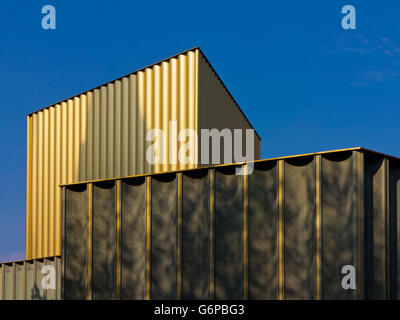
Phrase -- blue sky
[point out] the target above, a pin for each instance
(305, 83)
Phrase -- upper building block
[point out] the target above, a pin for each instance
(101, 134)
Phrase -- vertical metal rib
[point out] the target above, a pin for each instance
(148, 234)
(179, 237)
(2, 282)
(13, 282)
(318, 255)
(245, 233)
(24, 293)
(211, 232)
(359, 225)
(386, 193)
(280, 230)
(35, 279)
(90, 256)
(63, 219)
(118, 238)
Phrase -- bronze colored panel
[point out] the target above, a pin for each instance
(76, 228)
(59, 278)
(30, 281)
(195, 235)
(228, 234)
(163, 236)
(375, 224)
(339, 238)
(133, 238)
(263, 226)
(299, 226)
(394, 228)
(19, 281)
(104, 241)
(1, 282)
(40, 292)
(51, 293)
(7, 269)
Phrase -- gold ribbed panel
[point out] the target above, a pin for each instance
(101, 134)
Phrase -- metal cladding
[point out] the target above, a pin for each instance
(23, 280)
(101, 134)
(285, 231)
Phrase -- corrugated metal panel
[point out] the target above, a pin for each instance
(283, 232)
(75, 255)
(1, 282)
(8, 281)
(263, 232)
(30, 280)
(218, 109)
(19, 278)
(299, 214)
(22, 280)
(104, 241)
(133, 239)
(195, 235)
(394, 229)
(101, 134)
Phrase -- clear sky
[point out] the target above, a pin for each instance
(304, 82)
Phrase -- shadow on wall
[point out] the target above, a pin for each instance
(35, 293)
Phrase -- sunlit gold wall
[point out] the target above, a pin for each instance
(102, 134)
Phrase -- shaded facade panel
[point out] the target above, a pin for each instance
(133, 238)
(1, 282)
(19, 281)
(30, 281)
(394, 228)
(59, 278)
(228, 234)
(25, 280)
(263, 236)
(195, 235)
(8, 280)
(163, 237)
(40, 293)
(299, 228)
(104, 241)
(52, 263)
(76, 243)
(339, 239)
(375, 224)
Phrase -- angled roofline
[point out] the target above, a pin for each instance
(150, 66)
(229, 93)
(233, 164)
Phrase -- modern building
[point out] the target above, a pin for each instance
(324, 225)
(101, 133)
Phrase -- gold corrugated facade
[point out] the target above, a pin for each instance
(101, 134)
